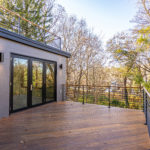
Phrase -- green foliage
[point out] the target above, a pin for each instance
(115, 102)
(90, 98)
(103, 97)
(135, 106)
(103, 100)
(138, 78)
(118, 103)
(37, 11)
(122, 49)
(147, 85)
(142, 39)
(103, 103)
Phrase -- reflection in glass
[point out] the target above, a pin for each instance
(20, 82)
(37, 82)
(50, 82)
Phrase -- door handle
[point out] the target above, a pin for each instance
(31, 87)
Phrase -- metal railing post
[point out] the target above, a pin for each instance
(146, 108)
(143, 99)
(64, 92)
(60, 43)
(109, 97)
(44, 37)
(83, 95)
(18, 25)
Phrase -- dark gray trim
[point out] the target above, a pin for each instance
(21, 39)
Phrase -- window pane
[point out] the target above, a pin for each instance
(50, 82)
(37, 82)
(20, 82)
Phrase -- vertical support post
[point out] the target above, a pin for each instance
(146, 108)
(143, 99)
(83, 95)
(86, 93)
(63, 92)
(109, 96)
(44, 37)
(18, 25)
(60, 43)
(94, 94)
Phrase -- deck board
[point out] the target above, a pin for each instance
(73, 126)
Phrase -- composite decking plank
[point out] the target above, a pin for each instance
(73, 126)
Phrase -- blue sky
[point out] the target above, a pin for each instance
(105, 17)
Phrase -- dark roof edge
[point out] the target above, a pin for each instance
(21, 39)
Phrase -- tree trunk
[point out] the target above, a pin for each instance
(87, 82)
(126, 92)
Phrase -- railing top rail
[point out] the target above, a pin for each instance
(46, 36)
(102, 86)
(146, 91)
(16, 14)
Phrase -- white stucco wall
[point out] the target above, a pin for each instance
(8, 47)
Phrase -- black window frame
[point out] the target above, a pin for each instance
(29, 92)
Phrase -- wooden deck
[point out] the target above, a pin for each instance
(73, 126)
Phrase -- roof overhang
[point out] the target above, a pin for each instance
(24, 40)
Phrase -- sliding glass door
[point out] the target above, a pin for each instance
(37, 82)
(20, 83)
(33, 82)
(50, 82)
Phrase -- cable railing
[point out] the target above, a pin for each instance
(146, 107)
(111, 96)
(13, 22)
(124, 97)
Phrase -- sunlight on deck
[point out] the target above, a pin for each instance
(73, 126)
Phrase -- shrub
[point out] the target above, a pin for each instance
(115, 102)
(103, 98)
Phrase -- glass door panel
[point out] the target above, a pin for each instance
(37, 82)
(20, 83)
(33, 82)
(50, 82)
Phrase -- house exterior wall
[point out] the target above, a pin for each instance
(7, 47)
